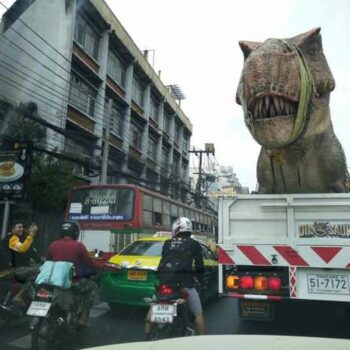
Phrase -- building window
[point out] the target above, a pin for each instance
(86, 36)
(154, 109)
(117, 118)
(137, 91)
(116, 68)
(175, 166)
(152, 148)
(167, 123)
(185, 142)
(136, 133)
(165, 157)
(184, 170)
(177, 133)
(82, 95)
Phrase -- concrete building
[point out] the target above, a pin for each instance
(72, 57)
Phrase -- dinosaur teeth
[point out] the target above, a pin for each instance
(276, 105)
(272, 111)
(267, 102)
(256, 110)
(281, 101)
(260, 103)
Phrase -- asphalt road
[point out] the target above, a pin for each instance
(317, 319)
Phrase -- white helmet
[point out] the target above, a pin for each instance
(181, 224)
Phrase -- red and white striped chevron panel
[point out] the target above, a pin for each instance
(283, 255)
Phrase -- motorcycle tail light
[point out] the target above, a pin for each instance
(165, 289)
(260, 283)
(247, 282)
(43, 293)
(274, 283)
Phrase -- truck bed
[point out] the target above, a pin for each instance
(286, 230)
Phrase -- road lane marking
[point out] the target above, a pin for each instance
(99, 310)
(22, 343)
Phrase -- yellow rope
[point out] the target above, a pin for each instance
(306, 91)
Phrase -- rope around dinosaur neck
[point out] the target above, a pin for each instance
(306, 91)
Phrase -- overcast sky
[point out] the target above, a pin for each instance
(196, 47)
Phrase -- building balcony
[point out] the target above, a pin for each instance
(85, 58)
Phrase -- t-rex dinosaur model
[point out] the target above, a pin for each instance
(284, 91)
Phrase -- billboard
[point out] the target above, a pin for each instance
(15, 162)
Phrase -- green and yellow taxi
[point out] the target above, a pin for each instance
(133, 273)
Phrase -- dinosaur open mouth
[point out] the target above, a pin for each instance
(272, 106)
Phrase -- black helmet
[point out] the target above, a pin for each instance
(71, 229)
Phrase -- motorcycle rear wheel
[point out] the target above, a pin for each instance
(161, 331)
(42, 335)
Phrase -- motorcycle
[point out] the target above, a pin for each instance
(169, 314)
(55, 315)
(11, 282)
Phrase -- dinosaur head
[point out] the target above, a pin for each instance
(284, 88)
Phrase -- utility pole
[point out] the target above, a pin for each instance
(209, 149)
(5, 218)
(105, 154)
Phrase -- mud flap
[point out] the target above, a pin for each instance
(256, 310)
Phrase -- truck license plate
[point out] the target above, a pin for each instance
(38, 308)
(328, 284)
(163, 313)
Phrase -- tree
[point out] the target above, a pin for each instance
(50, 178)
(50, 182)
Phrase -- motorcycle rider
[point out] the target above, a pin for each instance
(70, 250)
(16, 251)
(191, 252)
(16, 247)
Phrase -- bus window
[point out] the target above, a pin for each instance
(166, 213)
(181, 211)
(147, 202)
(157, 218)
(157, 205)
(157, 211)
(186, 213)
(166, 207)
(193, 216)
(147, 210)
(147, 217)
(174, 213)
(166, 220)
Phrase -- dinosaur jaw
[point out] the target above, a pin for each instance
(273, 119)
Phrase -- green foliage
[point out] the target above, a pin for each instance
(50, 181)
(16, 127)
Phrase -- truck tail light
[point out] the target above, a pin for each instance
(274, 283)
(260, 283)
(247, 282)
(232, 282)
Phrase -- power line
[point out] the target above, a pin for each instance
(69, 72)
(38, 35)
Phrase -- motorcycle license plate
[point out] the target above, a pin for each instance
(38, 308)
(163, 313)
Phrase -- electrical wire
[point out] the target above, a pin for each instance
(101, 116)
